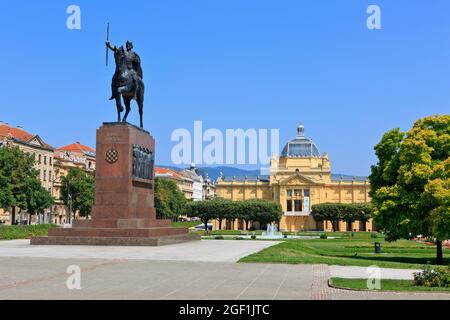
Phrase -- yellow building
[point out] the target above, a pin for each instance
(75, 155)
(43, 153)
(184, 182)
(300, 178)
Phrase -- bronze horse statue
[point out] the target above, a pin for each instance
(127, 82)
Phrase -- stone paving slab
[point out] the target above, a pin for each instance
(351, 272)
(200, 270)
(44, 278)
(203, 250)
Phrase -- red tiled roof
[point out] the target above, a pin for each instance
(19, 134)
(164, 171)
(77, 147)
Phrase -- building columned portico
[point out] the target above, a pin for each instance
(300, 178)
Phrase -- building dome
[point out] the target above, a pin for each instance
(300, 147)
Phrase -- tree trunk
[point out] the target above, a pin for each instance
(206, 226)
(246, 225)
(439, 256)
(29, 219)
(13, 216)
(220, 224)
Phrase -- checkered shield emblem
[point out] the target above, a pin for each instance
(112, 156)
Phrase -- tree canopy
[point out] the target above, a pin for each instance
(410, 183)
(262, 211)
(348, 212)
(169, 200)
(78, 186)
(38, 198)
(19, 182)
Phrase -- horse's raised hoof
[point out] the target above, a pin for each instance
(121, 109)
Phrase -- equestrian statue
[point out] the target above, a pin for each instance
(127, 83)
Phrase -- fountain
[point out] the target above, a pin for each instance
(272, 232)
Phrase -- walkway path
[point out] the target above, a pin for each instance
(350, 272)
(204, 250)
(170, 272)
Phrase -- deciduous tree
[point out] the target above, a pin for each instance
(16, 172)
(410, 183)
(169, 200)
(79, 187)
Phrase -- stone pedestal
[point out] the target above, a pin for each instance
(124, 212)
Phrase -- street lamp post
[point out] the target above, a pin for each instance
(69, 202)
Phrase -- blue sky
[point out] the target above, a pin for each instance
(232, 64)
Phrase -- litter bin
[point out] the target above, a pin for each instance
(377, 247)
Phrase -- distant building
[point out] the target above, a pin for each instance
(300, 178)
(75, 155)
(209, 185)
(197, 179)
(184, 183)
(43, 153)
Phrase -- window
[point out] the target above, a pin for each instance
(50, 176)
(45, 175)
(50, 160)
(39, 159)
(289, 193)
(45, 159)
(298, 205)
(306, 192)
(289, 205)
(298, 193)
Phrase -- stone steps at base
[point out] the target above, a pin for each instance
(122, 223)
(114, 241)
(114, 232)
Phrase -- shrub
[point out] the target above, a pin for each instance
(24, 232)
(219, 237)
(433, 277)
(253, 237)
(323, 236)
(374, 235)
(238, 238)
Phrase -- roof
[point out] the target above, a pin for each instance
(190, 173)
(246, 178)
(334, 178)
(21, 135)
(347, 178)
(168, 173)
(300, 146)
(78, 147)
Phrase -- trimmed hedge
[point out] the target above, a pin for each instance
(262, 211)
(348, 212)
(24, 232)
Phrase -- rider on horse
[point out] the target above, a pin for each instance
(133, 62)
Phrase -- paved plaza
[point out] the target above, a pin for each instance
(196, 270)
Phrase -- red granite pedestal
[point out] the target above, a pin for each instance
(124, 212)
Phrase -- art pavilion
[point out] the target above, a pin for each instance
(300, 178)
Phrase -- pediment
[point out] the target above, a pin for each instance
(37, 141)
(298, 179)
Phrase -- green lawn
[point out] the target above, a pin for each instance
(24, 232)
(346, 250)
(386, 285)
